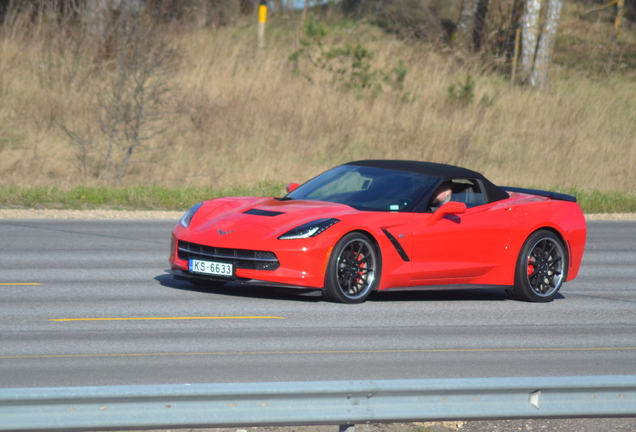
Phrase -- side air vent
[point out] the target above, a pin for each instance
(396, 244)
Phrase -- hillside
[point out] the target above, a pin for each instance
(227, 113)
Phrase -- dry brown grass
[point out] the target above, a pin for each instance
(242, 116)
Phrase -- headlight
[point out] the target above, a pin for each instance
(186, 218)
(310, 229)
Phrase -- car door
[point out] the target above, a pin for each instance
(459, 247)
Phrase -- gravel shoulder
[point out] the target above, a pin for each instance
(524, 425)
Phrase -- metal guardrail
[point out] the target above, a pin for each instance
(312, 403)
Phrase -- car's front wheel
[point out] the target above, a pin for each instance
(353, 270)
(541, 267)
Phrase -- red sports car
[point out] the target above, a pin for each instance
(386, 225)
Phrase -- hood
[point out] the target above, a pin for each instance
(262, 217)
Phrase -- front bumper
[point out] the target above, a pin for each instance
(297, 266)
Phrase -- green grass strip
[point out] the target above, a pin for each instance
(126, 198)
(162, 198)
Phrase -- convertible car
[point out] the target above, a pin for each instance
(386, 225)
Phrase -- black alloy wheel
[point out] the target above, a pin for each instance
(353, 270)
(541, 267)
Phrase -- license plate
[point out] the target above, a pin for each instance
(211, 268)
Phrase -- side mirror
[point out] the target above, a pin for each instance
(450, 208)
(291, 186)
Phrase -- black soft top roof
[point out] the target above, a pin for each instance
(441, 171)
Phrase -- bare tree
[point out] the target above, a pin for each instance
(301, 23)
(620, 11)
(618, 18)
(132, 102)
(85, 145)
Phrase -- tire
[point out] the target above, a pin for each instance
(541, 267)
(353, 270)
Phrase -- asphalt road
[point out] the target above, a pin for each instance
(90, 303)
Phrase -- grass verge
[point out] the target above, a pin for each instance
(126, 198)
(162, 198)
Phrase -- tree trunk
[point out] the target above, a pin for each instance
(514, 37)
(539, 75)
(466, 24)
(620, 11)
(529, 36)
(480, 24)
(303, 16)
(471, 24)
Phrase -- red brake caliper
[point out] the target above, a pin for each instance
(530, 265)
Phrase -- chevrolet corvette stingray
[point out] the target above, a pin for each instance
(381, 225)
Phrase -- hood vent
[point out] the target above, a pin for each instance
(259, 212)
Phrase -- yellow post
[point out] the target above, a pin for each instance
(262, 19)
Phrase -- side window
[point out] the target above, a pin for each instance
(467, 191)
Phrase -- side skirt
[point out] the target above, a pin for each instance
(446, 287)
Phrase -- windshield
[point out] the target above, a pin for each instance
(365, 188)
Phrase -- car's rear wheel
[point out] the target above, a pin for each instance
(541, 267)
(353, 270)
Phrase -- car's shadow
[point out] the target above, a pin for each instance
(263, 292)
(235, 290)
